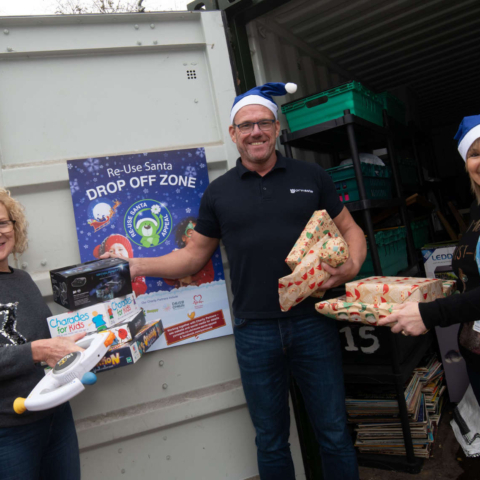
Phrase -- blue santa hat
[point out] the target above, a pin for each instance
(468, 132)
(262, 96)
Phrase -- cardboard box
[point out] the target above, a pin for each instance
(126, 331)
(94, 318)
(79, 286)
(439, 255)
(128, 353)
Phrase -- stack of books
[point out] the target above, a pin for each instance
(376, 416)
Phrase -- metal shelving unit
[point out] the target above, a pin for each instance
(357, 133)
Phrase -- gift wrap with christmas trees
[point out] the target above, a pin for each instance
(319, 242)
(370, 299)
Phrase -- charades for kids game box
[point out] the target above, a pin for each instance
(79, 286)
(94, 318)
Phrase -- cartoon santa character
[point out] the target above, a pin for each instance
(355, 317)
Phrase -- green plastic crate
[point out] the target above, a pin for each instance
(408, 172)
(376, 178)
(330, 104)
(421, 232)
(392, 250)
(394, 107)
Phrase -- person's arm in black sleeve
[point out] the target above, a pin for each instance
(450, 310)
(414, 318)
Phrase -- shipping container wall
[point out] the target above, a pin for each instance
(279, 56)
(97, 85)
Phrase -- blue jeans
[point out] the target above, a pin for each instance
(43, 450)
(268, 351)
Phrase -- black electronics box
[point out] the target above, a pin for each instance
(79, 286)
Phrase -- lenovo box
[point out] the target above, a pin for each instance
(94, 318)
(437, 260)
(79, 286)
(130, 352)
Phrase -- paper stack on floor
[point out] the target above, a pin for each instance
(376, 417)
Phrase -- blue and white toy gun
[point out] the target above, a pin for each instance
(68, 376)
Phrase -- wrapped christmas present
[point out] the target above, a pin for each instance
(319, 225)
(394, 290)
(449, 287)
(309, 275)
(344, 310)
(370, 299)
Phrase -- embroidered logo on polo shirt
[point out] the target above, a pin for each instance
(296, 190)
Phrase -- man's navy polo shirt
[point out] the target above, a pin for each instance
(259, 220)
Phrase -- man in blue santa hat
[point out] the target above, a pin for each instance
(259, 208)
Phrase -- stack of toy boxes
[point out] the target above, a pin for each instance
(103, 288)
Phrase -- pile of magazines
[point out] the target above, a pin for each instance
(376, 416)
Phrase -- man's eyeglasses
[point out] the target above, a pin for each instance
(247, 127)
(7, 226)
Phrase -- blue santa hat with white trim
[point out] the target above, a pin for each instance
(262, 95)
(468, 132)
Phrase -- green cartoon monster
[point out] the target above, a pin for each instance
(147, 228)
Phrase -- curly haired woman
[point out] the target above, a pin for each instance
(35, 445)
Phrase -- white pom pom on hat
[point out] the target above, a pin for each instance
(291, 87)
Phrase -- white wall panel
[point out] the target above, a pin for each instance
(86, 86)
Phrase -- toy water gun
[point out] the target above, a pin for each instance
(68, 376)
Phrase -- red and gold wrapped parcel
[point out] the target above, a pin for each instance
(309, 275)
(319, 225)
(358, 312)
(377, 290)
(449, 287)
(370, 299)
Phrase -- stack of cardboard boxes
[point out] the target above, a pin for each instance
(104, 291)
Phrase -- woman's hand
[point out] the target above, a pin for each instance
(405, 318)
(51, 350)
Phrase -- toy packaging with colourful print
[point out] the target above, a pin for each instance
(79, 286)
(130, 352)
(95, 318)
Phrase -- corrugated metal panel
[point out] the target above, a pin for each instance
(427, 51)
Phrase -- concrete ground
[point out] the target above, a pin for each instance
(447, 463)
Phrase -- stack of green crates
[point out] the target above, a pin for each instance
(376, 178)
(394, 106)
(392, 250)
(421, 232)
(330, 104)
(408, 171)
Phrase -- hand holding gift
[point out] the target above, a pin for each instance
(405, 318)
(386, 300)
(310, 273)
